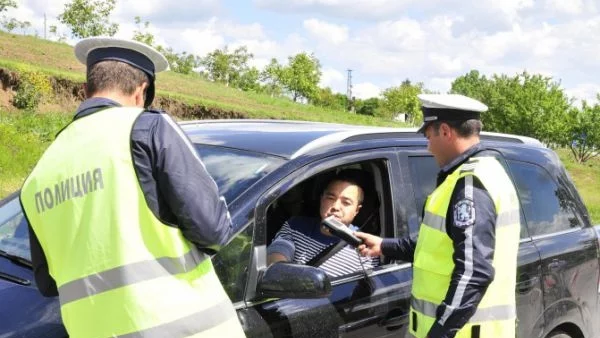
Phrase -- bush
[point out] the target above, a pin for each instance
(33, 89)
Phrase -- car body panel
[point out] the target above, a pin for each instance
(557, 276)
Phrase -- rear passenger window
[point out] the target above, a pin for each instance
(547, 206)
(424, 171)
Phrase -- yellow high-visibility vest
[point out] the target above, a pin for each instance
(433, 265)
(120, 271)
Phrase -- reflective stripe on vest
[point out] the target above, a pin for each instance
(119, 270)
(129, 274)
(433, 264)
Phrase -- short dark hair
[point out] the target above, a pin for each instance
(354, 176)
(465, 128)
(114, 75)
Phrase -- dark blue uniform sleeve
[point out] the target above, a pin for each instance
(177, 187)
(399, 248)
(470, 223)
(44, 282)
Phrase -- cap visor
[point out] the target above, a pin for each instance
(421, 129)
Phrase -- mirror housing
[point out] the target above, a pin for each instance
(288, 280)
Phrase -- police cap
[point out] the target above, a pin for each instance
(92, 50)
(449, 107)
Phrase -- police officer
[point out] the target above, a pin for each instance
(123, 214)
(465, 258)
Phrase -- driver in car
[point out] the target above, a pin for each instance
(303, 240)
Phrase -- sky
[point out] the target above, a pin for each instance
(383, 42)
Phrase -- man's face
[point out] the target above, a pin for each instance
(342, 200)
(437, 143)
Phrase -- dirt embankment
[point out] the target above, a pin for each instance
(68, 94)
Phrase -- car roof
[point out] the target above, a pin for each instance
(290, 139)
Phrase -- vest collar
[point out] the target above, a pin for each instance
(455, 163)
(93, 105)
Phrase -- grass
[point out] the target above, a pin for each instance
(19, 52)
(23, 139)
(586, 177)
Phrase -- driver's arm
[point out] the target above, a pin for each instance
(282, 248)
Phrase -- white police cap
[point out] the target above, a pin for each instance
(449, 107)
(118, 48)
(92, 50)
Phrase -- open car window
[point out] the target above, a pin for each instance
(302, 201)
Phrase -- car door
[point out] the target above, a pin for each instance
(374, 303)
(423, 170)
(24, 312)
(567, 244)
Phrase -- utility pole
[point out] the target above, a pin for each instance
(349, 92)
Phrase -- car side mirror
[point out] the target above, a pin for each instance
(288, 280)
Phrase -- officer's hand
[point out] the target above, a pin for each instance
(371, 244)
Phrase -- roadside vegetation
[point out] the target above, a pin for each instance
(42, 86)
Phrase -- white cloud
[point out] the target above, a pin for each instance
(365, 90)
(353, 9)
(326, 32)
(565, 7)
(584, 91)
(334, 79)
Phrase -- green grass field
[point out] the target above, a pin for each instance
(19, 52)
(587, 180)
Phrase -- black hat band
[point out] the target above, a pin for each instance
(444, 114)
(131, 57)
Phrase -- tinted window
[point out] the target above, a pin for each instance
(424, 172)
(546, 205)
(14, 235)
(231, 264)
(235, 170)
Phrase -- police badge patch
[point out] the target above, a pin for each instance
(464, 213)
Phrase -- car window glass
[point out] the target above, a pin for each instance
(423, 170)
(231, 264)
(14, 234)
(235, 170)
(546, 205)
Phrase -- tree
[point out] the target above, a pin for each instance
(227, 67)
(584, 131)
(403, 99)
(249, 80)
(182, 63)
(60, 37)
(89, 18)
(141, 34)
(6, 4)
(10, 24)
(369, 106)
(327, 98)
(525, 104)
(301, 76)
(272, 76)
(24, 25)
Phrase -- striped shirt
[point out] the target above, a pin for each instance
(300, 239)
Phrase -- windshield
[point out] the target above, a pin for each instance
(14, 236)
(235, 170)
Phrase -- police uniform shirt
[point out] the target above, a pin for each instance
(478, 213)
(159, 147)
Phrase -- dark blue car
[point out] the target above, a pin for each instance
(271, 170)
